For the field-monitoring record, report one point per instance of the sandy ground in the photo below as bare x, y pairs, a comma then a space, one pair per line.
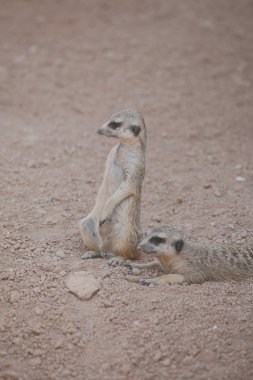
65, 66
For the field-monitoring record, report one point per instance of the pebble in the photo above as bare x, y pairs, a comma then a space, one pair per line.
38, 311
5, 276
187, 360
246, 317
14, 296
239, 179
11, 375
60, 254
158, 356
83, 285
166, 362
124, 270
217, 193
59, 342
136, 271
35, 361
35, 326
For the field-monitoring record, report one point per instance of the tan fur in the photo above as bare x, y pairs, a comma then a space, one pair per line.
113, 226
194, 263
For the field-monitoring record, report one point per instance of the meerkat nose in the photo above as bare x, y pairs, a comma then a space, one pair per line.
99, 131
139, 247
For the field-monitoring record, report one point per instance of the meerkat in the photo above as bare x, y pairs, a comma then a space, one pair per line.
186, 262
112, 229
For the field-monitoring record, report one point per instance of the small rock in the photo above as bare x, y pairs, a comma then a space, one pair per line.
10, 375
231, 226
158, 356
62, 273
35, 326
187, 360
246, 317
5, 276
124, 270
59, 342
136, 271
244, 234
107, 274
14, 296
38, 310
108, 304
207, 186
51, 221
33, 49
132, 278
217, 193
239, 178
60, 254
166, 362
35, 361
83, 285
70, 149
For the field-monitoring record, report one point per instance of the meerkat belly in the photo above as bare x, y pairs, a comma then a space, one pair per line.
112, 180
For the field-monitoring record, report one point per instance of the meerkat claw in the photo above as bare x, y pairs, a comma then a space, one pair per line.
90, 255
127, 265
107, 255
148, 282
115, 261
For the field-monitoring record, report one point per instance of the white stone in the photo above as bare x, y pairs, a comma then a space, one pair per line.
83, 285
240, 179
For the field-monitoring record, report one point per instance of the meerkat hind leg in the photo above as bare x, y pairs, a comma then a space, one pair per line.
171, 278
91, 255
89, 233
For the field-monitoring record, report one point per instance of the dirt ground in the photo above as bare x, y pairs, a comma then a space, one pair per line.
65, 66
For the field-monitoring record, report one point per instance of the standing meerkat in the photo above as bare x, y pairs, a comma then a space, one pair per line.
112, 228
192, 263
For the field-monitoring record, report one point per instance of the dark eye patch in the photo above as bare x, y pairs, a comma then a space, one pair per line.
136, 129
178, 244
114, 124
156, 240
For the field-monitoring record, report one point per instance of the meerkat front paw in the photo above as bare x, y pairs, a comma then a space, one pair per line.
116, 261
127, 265
90, 255
103, 221
107, 255
148, 282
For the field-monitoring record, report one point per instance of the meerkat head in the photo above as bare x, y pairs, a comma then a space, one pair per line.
162, 240
127, 125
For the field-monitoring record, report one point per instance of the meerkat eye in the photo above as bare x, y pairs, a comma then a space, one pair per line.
114, 124
135, 129
156, 240
178, 244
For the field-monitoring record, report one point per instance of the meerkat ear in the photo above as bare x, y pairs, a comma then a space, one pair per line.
135, 129
179, 245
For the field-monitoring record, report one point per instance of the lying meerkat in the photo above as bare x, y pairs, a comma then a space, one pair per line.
112, 228
192, 263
